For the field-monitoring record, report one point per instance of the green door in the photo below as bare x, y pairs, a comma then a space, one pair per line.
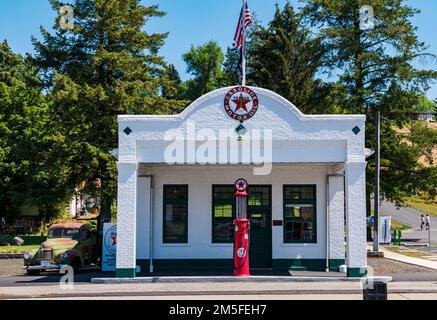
260, 218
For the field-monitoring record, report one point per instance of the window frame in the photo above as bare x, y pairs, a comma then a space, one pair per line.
313, 202
164, 221
213, 203
262, 206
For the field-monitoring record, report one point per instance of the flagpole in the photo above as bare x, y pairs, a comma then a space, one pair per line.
243, 48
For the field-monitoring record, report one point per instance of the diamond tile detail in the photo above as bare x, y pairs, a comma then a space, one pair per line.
127, 130
356, 130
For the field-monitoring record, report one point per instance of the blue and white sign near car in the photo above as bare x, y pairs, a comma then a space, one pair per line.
109, 246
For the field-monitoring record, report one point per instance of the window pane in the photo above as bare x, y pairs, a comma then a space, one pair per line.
299, 193
223, 211
175, 217
175, 214
259, 196
298, 223
223, 230
255, 199
177, 193
223, 204
224, 193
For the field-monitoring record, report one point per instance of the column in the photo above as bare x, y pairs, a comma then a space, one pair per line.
126, 219
336, 222
355, 180
143, 222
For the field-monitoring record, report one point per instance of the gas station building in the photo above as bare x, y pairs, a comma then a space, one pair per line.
306, 203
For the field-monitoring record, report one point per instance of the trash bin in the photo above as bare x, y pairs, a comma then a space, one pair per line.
385, 230
378, 292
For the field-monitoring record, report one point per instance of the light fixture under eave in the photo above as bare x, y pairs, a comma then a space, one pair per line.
241, 131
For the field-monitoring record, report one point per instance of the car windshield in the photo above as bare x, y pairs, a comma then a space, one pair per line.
64, 233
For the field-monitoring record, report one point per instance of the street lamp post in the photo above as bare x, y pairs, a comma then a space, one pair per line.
377, 175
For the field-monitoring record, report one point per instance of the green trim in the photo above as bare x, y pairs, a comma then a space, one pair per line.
144, 265
125, 273
196, 265
298, 268
300, 201
183, 202
356, 272
215, 202
334, 264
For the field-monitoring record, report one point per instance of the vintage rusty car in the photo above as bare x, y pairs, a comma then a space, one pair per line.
71, 244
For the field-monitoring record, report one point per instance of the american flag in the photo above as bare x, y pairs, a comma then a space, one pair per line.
244, 21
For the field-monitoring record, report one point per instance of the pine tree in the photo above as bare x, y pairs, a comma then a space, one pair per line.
371, 60
106, 65
375, 67
284, 57
230, 67
171, 82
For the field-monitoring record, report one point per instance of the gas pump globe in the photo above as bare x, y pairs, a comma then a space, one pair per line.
241, 224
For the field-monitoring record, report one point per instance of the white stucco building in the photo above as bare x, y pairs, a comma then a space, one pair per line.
175, 203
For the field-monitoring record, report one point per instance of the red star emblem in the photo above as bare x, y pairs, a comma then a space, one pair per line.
241, 102
241, 185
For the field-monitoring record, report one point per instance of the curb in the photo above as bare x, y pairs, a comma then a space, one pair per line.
229, 279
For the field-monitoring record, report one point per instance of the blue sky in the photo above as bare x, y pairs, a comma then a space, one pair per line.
188, 22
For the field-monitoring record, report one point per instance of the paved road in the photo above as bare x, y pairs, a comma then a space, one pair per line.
406, 215
411, 217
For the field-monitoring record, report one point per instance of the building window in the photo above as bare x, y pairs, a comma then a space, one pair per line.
259, 196
223, 209
175, 226
300, 214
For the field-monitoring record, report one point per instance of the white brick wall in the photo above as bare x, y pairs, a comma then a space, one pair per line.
126, 215
336, 215
311, 145
296, 137
356, 214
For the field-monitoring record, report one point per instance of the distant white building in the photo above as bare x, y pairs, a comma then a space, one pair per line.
306, 177
423, 116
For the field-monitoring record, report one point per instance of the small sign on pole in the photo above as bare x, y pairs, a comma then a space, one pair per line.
109, 249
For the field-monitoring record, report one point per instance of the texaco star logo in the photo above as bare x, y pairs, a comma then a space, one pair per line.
241, 103
241, 185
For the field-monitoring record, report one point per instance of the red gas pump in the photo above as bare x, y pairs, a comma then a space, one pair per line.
241, 224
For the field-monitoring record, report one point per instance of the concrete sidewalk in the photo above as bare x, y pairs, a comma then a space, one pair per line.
305, 276
208, 290
410, 260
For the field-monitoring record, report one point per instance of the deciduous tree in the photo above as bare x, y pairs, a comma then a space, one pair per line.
31, 174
